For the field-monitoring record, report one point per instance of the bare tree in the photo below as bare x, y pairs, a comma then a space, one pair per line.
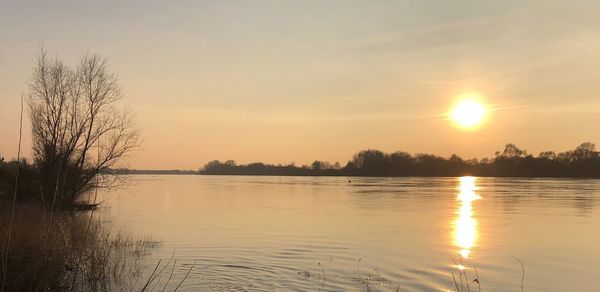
79, 133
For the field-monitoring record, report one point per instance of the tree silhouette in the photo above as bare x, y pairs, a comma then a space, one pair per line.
583, 161
78, 131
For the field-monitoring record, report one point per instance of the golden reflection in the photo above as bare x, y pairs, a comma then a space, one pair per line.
465, 226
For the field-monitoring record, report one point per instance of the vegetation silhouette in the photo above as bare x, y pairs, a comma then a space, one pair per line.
582, 162
78, 134
78, 130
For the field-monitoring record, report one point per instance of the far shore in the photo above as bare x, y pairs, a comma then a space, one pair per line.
191, 172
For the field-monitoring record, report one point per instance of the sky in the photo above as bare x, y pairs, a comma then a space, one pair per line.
296, 81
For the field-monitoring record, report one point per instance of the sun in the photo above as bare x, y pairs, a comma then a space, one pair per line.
468, 113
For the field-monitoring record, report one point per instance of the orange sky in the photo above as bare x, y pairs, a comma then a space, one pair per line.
283, 81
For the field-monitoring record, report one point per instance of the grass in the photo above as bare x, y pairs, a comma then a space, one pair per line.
74, 252
461, 280
464, 283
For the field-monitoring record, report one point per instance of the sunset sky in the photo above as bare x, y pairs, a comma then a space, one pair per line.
294, 81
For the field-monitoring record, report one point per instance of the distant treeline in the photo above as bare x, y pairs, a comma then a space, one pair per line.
583, 161
152, 171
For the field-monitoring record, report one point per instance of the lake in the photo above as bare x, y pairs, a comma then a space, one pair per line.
252, 233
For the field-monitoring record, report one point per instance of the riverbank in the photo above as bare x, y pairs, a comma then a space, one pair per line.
66, 251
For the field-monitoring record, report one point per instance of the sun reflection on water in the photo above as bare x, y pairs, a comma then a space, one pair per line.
465, 226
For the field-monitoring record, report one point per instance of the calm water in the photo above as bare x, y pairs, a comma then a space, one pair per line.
305, 233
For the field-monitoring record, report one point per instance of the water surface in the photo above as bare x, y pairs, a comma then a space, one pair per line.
333, 233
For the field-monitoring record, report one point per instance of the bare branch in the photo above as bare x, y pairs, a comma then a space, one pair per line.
74, 115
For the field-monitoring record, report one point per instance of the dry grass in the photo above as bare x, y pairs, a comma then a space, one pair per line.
72, 252
464, 282
473, 283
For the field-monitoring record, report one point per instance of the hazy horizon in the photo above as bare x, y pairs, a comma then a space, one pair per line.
283, 81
